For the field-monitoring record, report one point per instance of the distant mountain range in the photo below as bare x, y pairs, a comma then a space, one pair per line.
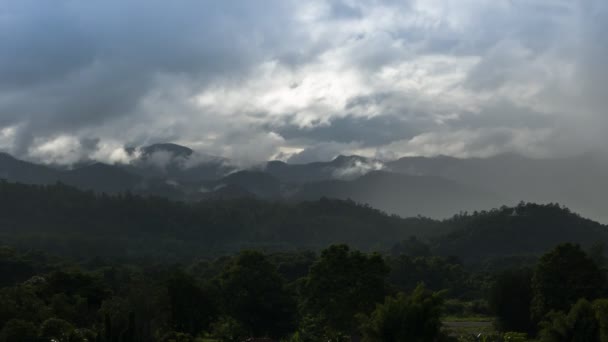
64, 220
436, 187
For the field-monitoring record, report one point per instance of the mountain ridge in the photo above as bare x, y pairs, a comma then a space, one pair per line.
446, 184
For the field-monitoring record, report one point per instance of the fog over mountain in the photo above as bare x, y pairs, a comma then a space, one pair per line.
436, 187
485, 102
318, 170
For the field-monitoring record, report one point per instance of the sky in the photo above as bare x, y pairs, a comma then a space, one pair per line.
302, 80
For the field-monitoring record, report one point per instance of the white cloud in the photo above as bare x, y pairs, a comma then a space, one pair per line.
226, 78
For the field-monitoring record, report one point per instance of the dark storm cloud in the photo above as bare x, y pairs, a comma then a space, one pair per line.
374, 131
321, 77
66, 64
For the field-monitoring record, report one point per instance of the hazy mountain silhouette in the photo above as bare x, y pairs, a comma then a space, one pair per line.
177, 163
405, 195
135, 225
174, 149
578, 182
342, 167
248, 183
16, 170
101, 178
436, 186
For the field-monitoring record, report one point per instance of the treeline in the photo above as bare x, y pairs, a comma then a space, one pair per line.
62, 219
70, 222
333, 296
298, 296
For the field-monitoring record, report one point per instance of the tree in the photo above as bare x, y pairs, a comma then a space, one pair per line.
21, 302
192, 307
176, 337
601, 313
411, 247
510, 298
55, 329
256, 296
415, 318
597, 253
342, 284
436, 273
227, 329
580, 325
562, 276
17, 330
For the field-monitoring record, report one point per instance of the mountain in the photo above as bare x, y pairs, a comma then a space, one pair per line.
405, 195
258, 183
131, 225
173, 149
526, 229
435, 186
15, 170
342, 167
121, 225
577, 182
101, 177
176, 163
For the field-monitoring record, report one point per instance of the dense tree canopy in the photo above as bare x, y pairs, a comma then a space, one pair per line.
562, 276
147, 269
415, 318
342, 284
256, 296
510, 298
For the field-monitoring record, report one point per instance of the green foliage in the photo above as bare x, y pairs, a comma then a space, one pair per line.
601, 314
79, 224
257, 297
192, 307
436, 273
176, 337
228, 329
562, 276
57, 329
22, 302
411, 247
580, 325
413, 318
510, 298
254, 294
515, 337
342, 284
311, 329
17, 330
120, 323
526, 229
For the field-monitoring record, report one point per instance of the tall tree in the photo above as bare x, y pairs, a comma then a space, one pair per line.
415, 318
580, 325
192, 307
563, 276
342, 284
257, 297
510, 298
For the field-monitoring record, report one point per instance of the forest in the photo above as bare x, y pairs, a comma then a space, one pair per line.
80, 266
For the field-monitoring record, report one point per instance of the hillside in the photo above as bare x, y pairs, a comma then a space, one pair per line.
404, 195
62, 219
577, 182
436, 187
66, 220
527, 229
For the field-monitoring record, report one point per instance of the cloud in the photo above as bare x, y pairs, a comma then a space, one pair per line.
81, 80
324, 151
357, 168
